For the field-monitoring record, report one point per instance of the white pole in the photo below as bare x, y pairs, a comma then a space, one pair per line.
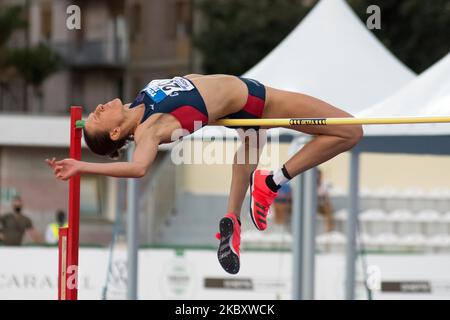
132, 233
309, 233
352, 221
297, 243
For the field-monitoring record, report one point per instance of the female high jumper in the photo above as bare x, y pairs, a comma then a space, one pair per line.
167, 105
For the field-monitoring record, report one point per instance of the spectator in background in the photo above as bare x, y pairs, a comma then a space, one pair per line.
324, 206
52, 232
16, 224
283, 205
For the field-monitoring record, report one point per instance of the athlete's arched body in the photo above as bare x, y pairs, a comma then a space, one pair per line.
164, 106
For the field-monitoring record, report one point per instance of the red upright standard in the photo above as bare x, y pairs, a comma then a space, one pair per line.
68, 251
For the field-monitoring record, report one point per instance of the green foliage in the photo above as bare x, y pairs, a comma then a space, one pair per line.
238, 33
416, 31
35, 64
10, 20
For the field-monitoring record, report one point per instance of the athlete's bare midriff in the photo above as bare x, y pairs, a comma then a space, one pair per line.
222, 94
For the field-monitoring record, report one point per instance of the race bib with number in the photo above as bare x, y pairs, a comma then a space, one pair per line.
160, 89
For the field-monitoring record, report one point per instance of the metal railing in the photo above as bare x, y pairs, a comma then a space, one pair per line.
158, 200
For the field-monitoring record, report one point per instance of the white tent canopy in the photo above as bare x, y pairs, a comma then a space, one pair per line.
332, 55
427, 95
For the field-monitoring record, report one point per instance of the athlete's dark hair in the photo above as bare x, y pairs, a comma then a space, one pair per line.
102, 144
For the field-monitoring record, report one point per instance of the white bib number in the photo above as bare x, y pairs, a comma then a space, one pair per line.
160, 89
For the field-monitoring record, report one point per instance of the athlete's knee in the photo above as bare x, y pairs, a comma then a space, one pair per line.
358, 133
354, 134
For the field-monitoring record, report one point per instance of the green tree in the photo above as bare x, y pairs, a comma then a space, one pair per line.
10, 20
236, 34
416, 31
35, 64
239, 33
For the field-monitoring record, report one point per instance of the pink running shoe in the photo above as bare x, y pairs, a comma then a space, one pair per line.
261, 198
230, 241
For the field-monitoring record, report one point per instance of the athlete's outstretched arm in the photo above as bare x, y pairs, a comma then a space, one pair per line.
143, 157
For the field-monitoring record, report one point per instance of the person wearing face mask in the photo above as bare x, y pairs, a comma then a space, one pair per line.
16, 224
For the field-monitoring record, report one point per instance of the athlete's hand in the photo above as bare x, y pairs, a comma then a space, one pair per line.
64, 169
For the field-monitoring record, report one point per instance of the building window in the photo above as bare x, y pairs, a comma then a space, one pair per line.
179, 22
91, 197
183, 17
135, 22
77, 89
46, 20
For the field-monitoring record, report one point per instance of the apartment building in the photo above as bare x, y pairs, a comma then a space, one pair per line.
121, 46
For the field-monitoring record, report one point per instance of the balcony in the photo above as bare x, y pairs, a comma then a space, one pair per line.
93, 53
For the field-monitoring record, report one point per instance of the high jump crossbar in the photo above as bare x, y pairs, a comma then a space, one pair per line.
320, 121
68, 245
